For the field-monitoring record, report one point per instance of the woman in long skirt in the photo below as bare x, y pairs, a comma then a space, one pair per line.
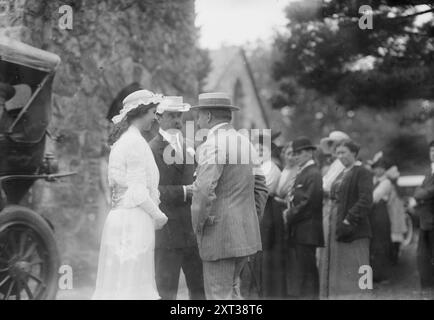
126, 260
347, 250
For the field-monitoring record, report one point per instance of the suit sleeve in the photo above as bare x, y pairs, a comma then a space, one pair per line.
208, 174
299, 212
425, 192
363, 205
171, 194
260, 189
261, 194
138, 193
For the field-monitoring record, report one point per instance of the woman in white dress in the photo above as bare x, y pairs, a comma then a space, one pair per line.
126, 260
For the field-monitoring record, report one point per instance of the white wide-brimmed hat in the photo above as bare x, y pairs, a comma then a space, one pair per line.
334, 136
136, 99
337, 136
173, 104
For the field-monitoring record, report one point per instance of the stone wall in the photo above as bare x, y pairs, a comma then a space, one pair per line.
112, 44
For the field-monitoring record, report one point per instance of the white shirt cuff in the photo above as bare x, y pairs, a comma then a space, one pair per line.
185, 193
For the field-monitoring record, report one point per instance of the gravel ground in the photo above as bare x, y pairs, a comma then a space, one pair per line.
404, 283
85, 293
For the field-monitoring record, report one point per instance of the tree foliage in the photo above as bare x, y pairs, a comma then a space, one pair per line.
326, 50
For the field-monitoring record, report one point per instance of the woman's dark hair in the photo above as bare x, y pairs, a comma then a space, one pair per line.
351, 145
381, 163
119, 128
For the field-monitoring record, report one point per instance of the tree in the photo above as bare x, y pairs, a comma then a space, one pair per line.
326, 50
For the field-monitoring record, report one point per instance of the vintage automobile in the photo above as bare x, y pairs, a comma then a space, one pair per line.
29, 258
407, 185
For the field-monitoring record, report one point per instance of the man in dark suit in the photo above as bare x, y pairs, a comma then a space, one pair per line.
425, 210
304, 220
176, 245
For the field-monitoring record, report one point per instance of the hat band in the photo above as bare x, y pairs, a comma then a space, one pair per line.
305, 147
215, 102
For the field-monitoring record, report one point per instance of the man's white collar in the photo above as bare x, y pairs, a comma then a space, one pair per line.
168, 135
216, 127
307, 164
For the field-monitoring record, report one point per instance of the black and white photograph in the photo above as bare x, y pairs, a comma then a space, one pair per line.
238, 151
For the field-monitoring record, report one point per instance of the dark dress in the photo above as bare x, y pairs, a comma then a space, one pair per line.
342, 260
273, 251
381, 240
264, 275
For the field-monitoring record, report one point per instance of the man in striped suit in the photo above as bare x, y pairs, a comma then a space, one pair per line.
226, 198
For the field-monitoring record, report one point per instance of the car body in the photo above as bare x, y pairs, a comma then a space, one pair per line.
29, 259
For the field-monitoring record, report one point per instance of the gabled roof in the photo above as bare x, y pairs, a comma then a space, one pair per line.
221, 61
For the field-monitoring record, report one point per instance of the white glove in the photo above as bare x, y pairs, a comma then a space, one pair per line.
160, 220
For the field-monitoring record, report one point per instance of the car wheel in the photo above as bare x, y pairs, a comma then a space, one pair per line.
408, 236
29, 259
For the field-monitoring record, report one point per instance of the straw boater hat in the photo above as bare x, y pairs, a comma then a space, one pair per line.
136, 99
215, 100
172, 104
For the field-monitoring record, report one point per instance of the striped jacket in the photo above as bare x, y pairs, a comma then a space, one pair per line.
226, 195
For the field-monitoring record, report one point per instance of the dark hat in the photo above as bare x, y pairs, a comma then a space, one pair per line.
302, 143
260, 135
380, 163
274, 134
215, 100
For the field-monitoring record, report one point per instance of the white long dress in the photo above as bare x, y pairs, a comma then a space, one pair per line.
126, 260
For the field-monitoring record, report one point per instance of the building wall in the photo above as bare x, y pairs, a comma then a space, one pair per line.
112, 44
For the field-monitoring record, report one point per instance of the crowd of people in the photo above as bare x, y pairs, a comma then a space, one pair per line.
363, 222
305, 222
